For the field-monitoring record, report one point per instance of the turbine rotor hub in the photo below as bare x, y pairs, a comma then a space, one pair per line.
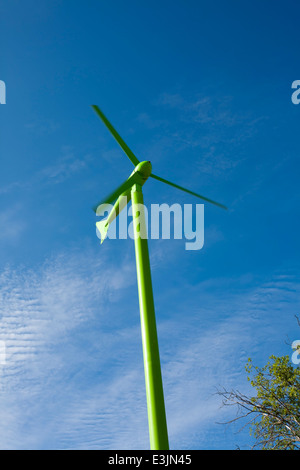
144, 168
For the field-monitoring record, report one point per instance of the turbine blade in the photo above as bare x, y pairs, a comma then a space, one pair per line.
134, 179
187, 191
102, 228
118, 138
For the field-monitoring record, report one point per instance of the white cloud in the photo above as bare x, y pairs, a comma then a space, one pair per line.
73, 376
12, 224
63, 168
45, 321
210, 131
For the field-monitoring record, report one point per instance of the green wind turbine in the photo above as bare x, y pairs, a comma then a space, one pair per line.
132, 189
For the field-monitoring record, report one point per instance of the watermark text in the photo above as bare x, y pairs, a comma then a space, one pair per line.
296, 94
296, 353
162, 221
2, 92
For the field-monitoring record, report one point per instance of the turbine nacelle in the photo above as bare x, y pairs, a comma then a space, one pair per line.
144, 169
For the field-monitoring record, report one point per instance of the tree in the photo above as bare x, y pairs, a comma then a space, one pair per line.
273, 415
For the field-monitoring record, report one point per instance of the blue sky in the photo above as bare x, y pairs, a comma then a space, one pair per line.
203, 90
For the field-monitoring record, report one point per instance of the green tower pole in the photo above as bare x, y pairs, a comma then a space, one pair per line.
153, 379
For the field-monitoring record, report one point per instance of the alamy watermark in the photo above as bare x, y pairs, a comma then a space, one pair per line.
296, 94
296, 354
2, 92
163, 221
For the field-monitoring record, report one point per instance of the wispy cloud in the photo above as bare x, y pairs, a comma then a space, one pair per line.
57, 172
46, 317
12, 224
148, 121
213, 127
61, 170
73, 376
42, 126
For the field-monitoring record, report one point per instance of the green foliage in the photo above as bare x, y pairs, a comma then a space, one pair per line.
276, 406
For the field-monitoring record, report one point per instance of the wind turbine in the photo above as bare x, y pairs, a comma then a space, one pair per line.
132, 189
